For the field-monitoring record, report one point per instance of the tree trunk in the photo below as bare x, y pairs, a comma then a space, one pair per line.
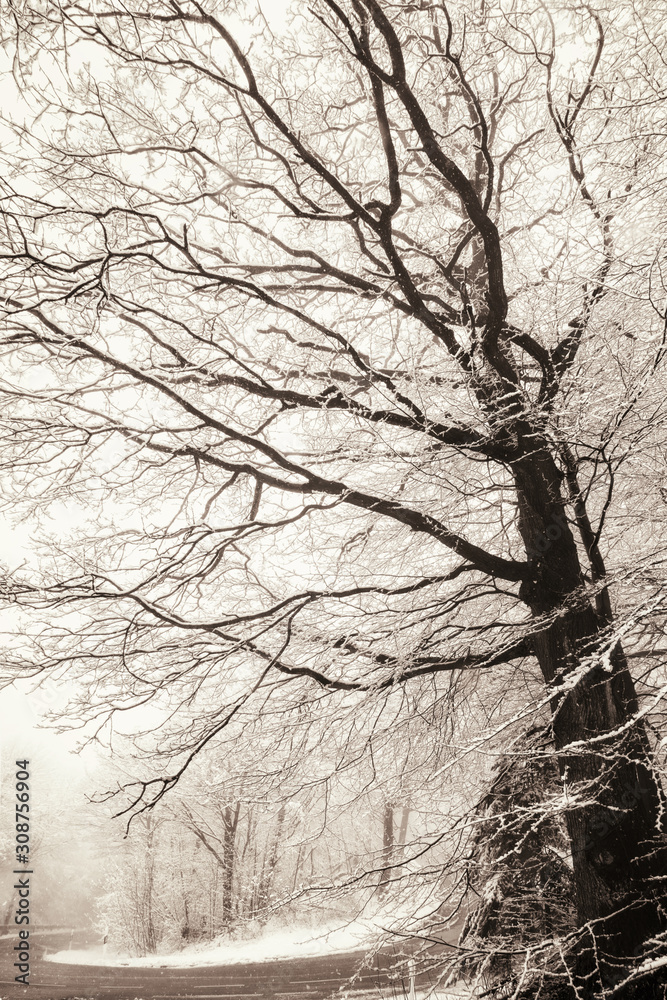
618, 854
230, 820
148, 930
403, 829
387, 845
271, 861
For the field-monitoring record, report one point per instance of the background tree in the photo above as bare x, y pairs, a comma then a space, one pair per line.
303, 859
220, 842
348, 339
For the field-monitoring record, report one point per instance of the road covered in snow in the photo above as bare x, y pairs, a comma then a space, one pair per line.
287, 965
296, 943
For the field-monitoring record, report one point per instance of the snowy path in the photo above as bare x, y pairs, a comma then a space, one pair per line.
312, 978
295, 943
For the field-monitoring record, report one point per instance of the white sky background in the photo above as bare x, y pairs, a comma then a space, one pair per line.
24, 728
21, 709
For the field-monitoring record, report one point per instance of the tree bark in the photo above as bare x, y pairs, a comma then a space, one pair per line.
270, 863
230, 820
618, 851
387, 845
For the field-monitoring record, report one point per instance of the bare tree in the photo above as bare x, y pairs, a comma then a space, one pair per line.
220, 842
348, 336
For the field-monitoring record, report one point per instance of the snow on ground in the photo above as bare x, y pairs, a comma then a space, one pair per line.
297, 942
